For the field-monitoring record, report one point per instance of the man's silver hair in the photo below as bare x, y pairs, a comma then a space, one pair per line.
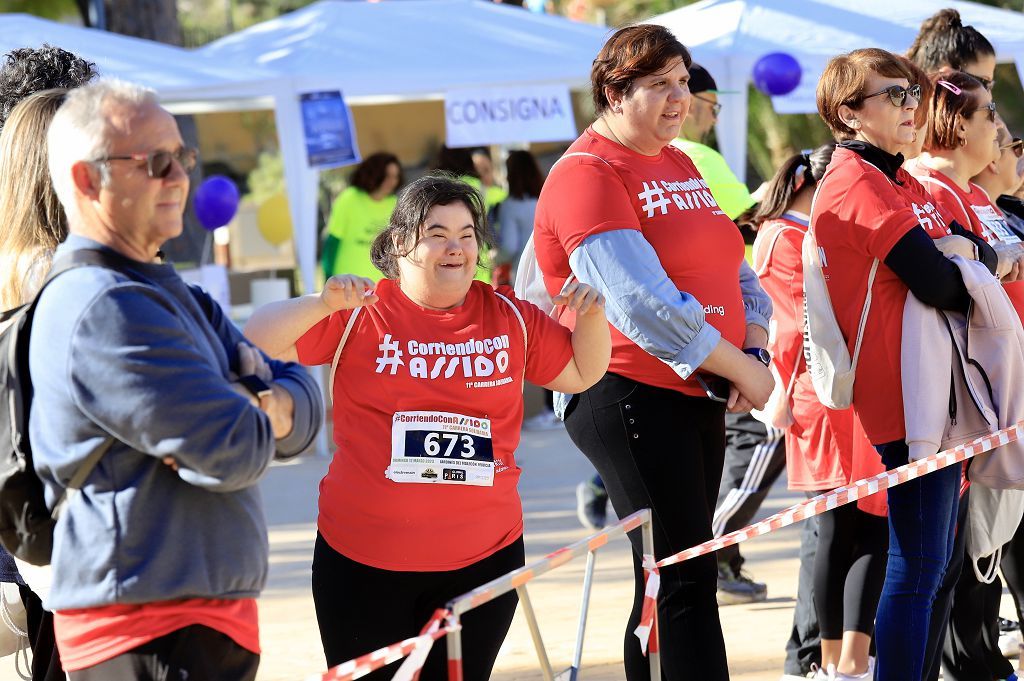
81, 131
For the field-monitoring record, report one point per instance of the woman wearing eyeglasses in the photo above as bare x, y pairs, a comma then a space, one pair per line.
944, 43
869, 208
961, 140
971, 649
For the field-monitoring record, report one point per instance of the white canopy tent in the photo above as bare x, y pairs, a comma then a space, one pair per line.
186, 82
403, 50
729, 36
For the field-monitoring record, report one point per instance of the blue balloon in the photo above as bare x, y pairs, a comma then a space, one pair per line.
215, 201
777, 73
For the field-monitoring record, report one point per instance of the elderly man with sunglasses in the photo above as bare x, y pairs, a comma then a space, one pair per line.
159, 557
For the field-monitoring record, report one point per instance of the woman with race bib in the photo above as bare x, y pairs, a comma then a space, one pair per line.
420, 503
629, 214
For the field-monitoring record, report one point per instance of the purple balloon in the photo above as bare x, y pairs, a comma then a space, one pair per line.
215, 202
777, 73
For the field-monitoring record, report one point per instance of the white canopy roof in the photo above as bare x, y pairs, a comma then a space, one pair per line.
729, 36
414, 49
178, 75
396, 51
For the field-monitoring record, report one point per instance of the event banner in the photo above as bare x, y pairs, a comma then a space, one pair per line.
528, 113
327, 125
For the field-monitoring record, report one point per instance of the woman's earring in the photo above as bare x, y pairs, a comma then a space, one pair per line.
854, 124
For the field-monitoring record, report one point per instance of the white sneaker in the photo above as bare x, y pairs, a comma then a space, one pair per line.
545, 420
1009, 637
869, 674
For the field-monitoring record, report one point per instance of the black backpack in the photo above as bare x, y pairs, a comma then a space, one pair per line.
26, 523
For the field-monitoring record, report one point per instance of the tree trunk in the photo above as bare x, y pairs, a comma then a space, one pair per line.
158, 20
152, 19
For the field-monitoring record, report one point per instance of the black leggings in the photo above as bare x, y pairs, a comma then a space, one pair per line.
662, 450
849, 570
361, 608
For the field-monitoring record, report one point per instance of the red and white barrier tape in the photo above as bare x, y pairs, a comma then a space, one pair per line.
653, 581
834, 499
417, 648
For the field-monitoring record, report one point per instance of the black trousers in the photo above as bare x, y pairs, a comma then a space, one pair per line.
193, 653
360, 609
662, 450
971, 649
45, 657
849, 570
803, 648
755, 456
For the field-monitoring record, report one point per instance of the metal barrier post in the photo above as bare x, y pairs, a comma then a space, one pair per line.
538, 643
588, 579
517, 580
454, 642
653, 647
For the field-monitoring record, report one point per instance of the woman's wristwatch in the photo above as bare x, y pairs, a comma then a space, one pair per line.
760, 354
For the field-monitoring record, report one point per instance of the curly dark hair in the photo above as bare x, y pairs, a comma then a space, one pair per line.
414, 202
28, 70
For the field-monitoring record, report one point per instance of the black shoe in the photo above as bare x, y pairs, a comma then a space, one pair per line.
737, 587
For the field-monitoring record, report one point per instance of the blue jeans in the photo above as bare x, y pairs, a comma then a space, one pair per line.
922, 524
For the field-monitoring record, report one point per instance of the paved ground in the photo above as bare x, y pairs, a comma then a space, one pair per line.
755, 634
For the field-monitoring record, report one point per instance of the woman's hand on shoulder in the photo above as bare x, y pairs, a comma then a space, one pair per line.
347, 292
581, 298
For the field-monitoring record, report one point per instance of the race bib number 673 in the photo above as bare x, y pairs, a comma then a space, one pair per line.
442, 448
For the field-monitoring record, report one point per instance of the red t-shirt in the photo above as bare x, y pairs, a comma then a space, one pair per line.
818, 441
975, 212
859, 214
89, 636
663, 197
399, 358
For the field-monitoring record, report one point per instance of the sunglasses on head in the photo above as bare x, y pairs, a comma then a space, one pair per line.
159, 163
716, 108
1017, 145
897, 94
990, 107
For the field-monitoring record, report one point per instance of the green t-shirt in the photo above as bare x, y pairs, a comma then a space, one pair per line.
356, 219
731, 194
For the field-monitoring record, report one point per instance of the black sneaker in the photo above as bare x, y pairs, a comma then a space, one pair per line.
591, 505
737, 587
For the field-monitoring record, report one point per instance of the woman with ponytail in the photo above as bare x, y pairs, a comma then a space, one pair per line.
945, 43
849, 567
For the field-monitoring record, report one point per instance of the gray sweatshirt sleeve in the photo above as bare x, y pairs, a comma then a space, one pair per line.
137, 373
756, 302
641, 301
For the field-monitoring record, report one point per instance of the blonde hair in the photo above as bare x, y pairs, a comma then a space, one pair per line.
32, 222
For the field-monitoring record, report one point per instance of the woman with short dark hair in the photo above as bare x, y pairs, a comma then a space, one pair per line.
870, 213
420, 503
628, 213
359, 213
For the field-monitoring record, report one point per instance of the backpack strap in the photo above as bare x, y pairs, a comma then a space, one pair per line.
522, 325
78, 479
871, 273
84, 257
341, 346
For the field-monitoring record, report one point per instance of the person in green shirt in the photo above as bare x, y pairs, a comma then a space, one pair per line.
731, 194
493, 192
359, 213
